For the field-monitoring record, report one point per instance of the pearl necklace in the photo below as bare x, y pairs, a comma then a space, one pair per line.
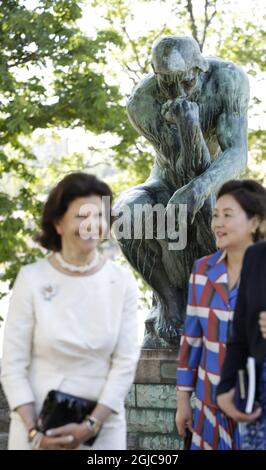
74, 267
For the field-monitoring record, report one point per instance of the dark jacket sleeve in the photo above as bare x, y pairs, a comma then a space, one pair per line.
237, 346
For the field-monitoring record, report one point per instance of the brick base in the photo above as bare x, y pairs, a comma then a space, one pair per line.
151, 403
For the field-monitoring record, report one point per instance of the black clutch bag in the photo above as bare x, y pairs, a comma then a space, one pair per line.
61, 408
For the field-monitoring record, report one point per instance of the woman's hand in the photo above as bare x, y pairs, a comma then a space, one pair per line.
226, 403
56, 443
262, 323
184, 414
66, 437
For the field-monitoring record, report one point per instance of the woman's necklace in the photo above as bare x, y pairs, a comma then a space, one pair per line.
74, 267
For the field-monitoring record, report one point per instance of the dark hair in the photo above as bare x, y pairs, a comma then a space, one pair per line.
251, 196
71, 187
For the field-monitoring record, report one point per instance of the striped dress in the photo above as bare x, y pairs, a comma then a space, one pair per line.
209, 316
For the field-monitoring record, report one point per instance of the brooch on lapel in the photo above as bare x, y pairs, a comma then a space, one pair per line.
49, 291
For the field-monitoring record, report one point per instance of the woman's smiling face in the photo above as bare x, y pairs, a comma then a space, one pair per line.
84, 223
230, 224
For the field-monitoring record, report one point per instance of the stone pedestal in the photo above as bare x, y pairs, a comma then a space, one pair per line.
151, 403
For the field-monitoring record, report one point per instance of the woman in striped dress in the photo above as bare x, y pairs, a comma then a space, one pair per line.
211, 301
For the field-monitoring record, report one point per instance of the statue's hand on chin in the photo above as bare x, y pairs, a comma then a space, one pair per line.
187, 113
167, 112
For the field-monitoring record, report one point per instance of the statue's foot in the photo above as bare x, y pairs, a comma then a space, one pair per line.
169, 331
162, 330
154, 342
151, 338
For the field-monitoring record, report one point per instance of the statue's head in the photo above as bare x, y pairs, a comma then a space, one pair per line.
177, 62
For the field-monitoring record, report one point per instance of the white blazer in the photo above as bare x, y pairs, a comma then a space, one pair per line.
75, 334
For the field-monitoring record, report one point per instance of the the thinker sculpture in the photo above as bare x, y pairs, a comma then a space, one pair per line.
193, 110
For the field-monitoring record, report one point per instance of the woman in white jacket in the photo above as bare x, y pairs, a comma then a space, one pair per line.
71, 325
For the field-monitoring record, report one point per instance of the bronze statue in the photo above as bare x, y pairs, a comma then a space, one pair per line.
193, 110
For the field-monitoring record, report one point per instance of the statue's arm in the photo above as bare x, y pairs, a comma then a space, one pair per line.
231, 132
194, 156
145, 115
232, 137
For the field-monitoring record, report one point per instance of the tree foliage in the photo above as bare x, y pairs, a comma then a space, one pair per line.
39, 47
219, 30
